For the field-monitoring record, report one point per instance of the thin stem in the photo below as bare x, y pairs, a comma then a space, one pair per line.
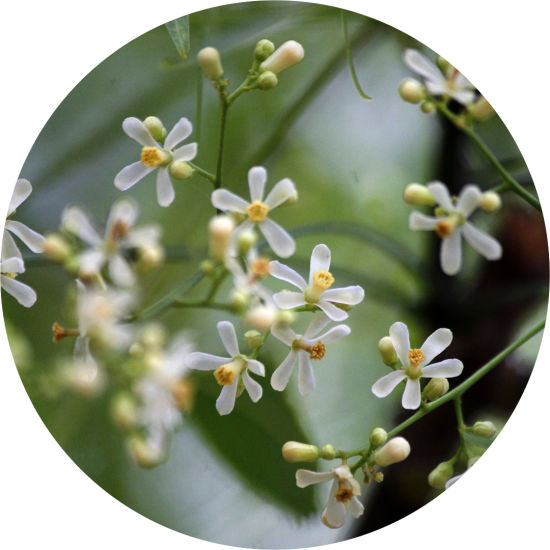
198, 105
349, 57
223, 119
204, 305
459, 414
202, 172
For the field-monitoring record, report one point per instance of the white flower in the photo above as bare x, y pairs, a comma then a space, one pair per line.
302, 349
229, 370
416, 364
247, 281
156, 155
23, 293
258, 209
120, 237
317, 292
31, 238
343, 493
454, 224
453, 84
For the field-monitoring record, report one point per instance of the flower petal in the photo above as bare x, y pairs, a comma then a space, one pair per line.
222, 199
23, 293
9, 247
31, 238
284, 333
23, 189
252, 387
435, 343
256, 367
331, 311
288, 300
285, 273
356, 507
444, 369
318, 323
421, 65
350, 295
228, 336
282, 374
418, 221
134, 128
333, 335
278, 239
185, 153
320, 260
75, 220
281, 192
165, 189
451, 253
482, 243
257, 176
226, 401
204, 361
305, 478
468, 200
441, 194
120, 271
335, 512
462, 96
306, 378
399, 334
125, 211
181, 130
131, 174
411, 395
385, 385
90, 262
12, 265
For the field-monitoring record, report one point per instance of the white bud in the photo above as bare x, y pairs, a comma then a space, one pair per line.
261, 317
418, 194
387, 351
210, 62
124, 411
220, 229
239, 300
144, 454
293, 451
412, 91
440, 475
395, 450
285, 56
150, 258
490, 201
181, 170
245, 241
435, 388
155, 127
153, 335
485, 429
56, 247
481, 109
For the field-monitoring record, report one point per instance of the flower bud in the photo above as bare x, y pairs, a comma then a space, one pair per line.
210, 62
378, 437
485, 429
387, 351
490, 201
286, 317
56, 247
435, 388
267, 80
300, 452
412, 91
183, 392
328, 452
153, 335
124, 410
285, 56
264, 48
261, 317
378, 477
207, 267
144, 454
395, 450
440, 475
150, 257
239, 300
427, 107
418, 194
85, 379
220, 229
443, 64
253, 338
155, 127
481, 109
245, 241
181, 170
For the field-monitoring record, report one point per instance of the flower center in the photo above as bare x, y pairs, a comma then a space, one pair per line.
344, 493
260, 268
446, 226
60, 332
257, 211
413, 370
153, 156
226, 374
119, 230
316, 351
321, 281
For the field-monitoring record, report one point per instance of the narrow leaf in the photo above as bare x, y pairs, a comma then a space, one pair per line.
178, 29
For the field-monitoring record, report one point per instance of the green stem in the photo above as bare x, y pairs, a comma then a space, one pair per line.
349, 57
202, 172
223, 119
204, 305
198, 105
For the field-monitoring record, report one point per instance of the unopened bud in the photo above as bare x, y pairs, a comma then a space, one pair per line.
153, 335
264, 48
286, 317
412, 91
485, 429
300, 452
56, 247
418, 194
267, 80
245, 241
395, 450
285, 56
150, 257
378, 477
328, 452
440, 475
481, 109
220, 229
253, 338
387, 351
490, 201
427, 107
124, 411
435, 388
261, 317
207, 267
378, 437
210, 62
181, 170
239, 300
443, 65
85, 379
155, 127
144, 454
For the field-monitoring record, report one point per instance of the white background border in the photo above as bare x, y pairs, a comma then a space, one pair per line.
45, 499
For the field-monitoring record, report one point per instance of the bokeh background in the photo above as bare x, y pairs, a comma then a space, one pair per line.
350, 159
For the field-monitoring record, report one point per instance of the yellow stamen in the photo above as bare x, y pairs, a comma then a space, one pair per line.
183, 392
322, 280
416, 356
120, 229
153, 156
260, 268
60, 332
257, 211
446, 226
317, 351
226, 374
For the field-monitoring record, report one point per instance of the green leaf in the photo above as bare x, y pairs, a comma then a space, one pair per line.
178, 29
250, 440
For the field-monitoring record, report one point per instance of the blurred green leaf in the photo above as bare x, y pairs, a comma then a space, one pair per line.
178, 29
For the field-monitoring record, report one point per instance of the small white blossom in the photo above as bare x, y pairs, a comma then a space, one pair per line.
155, 155
247, 280
343, 493
452, 84
453, 225
258, 209
416, 364
317, 291
302, 349
228, 371
9, 269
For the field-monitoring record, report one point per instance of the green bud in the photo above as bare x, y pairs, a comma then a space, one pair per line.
481, 109
253, 338
412, 91
56, 247
378, 477
239, 300
286, 317
427, 107
264, 48
267, 81
144, 455
490, 202
245, 241
395, 450
181, 170
328, 452
485, 429
440, 475
435, 388
155, 127
210, 62
300, 452
387, 351
418, 194
293, 199
439, 211
207, 267
153, 335
443, 64
124, 410
378, 437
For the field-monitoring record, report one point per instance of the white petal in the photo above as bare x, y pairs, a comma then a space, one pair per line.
411, 395
335, 512
31, 238
306, 378
284, 333
9, 247
444, 369
131, 174
91, 261
134, 128
204, 361
252, 387
222, 199
228, 336
356, 507
418, 221
185, 153
437, 88
144, 236
285, 273
435, 343
422, 66
23, 293
333, 335
125, 211
75, 220
281, 375
23, 189
385, 385
257, 176
283, 190
305, 478
12, 265
226, 401
452, 481
120, 272
318, 323
468, 200
181, 130
165, 189
399, 334
256, 367
451, 253
350, 295
278, 239
462, 96
320, 260
441, 194
288, 300
331, 311
482, 243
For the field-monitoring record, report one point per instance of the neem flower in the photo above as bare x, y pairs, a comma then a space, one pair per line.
9, 269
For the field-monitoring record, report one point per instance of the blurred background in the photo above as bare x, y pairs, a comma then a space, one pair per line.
350, 159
